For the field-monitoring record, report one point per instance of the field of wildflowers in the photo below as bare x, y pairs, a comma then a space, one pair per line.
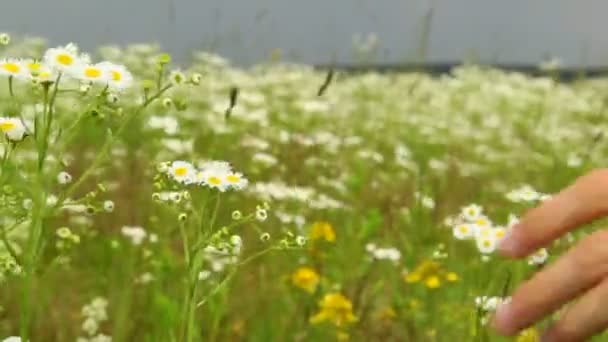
145, 201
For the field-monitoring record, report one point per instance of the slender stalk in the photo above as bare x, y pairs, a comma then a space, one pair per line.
105, 149
10, 86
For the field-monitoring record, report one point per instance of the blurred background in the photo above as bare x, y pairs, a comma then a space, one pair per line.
327, 32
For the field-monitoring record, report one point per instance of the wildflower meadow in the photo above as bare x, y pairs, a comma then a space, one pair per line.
147, 200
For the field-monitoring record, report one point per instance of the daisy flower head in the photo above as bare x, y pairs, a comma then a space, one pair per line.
63, 58
539, 257
486, 244
13, 129
92, 73
236, 180
499, 233
483, 222
472, 212
40, 72
118, 76
13, 67
214, 179
182, 172
464, 231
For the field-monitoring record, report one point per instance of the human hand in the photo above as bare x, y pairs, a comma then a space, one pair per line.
582, 273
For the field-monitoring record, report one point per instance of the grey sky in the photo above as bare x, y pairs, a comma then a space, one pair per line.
320, 31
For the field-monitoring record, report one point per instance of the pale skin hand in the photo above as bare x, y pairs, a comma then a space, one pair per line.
581, 274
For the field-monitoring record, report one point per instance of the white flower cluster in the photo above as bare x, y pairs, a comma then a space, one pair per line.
222, 255
490, 304
137, 235
472, 224
95, 313
526, 194
213, 174
389, 253
67, 61
282, 192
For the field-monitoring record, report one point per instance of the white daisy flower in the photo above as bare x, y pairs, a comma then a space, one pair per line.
213, 179
483, 222
13, 129
63, 58
464, 231
118, 76
13, 67
93, 73
539, 257
486, 245
472, 212
41, 72
236, 180
499, 233
182, 172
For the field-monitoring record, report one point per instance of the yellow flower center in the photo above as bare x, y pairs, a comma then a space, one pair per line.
7, 125
214, 180
34, 66
452, 277
500, 233
233, 178
487, 243
65, 59
433, 282
116, 76
44, 74
11, 67
464, 229
92, 72
181, 171
482, 222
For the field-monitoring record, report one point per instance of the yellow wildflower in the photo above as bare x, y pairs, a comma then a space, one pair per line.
323, 231
430, 273
452, 277
306, 278
432, 282
336, 309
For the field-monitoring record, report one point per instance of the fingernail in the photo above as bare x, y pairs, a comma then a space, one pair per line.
509, 244
502, 318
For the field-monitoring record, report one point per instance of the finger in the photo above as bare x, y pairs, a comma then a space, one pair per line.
584, 201
583, 319
578, 270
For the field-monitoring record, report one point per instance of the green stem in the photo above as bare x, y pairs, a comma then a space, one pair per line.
105, 149
9, 247
10, 86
